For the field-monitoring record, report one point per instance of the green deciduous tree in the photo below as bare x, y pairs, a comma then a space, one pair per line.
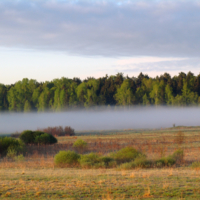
3, 97
124, 95
155, 93
168, 95
188, 97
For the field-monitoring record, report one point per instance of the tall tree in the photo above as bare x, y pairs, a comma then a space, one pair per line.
124, 95
81, 92
155, 94
91, 97
3, 97
168, 95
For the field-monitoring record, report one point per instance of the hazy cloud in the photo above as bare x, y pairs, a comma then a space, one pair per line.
105, 28
186, 64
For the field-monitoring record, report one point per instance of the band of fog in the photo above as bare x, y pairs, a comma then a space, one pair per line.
103, 119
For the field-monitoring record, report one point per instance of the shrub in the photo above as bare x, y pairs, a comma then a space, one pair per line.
165, 161
80, 145
37, 137
178, 156
59, 131
195, 165
27, 137
126, 154
66, 158
11, 145
19, 158
127, 165
42, 139
139, 162
92, 160
11, 152
108, 161
45, 139
142, 162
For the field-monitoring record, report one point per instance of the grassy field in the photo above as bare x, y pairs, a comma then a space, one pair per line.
38, 178
29, 183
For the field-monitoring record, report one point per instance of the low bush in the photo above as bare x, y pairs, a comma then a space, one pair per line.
66, 158
37, 137
10, 146
178, 156
80, 146
59, 131
139, 162
127, 158
108, 161
92, 160
195, 165
127, 165
165, 162
11, 153
27, 137
19, 158
45, 139
142, 162
126, 154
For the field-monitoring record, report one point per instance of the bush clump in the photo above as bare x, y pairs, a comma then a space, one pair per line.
126, 158
94, 160
19, 158
37, 137
10, 146
178, 156
139, 162
195, 165
80, 145
91, 160
165, 162
66, 158
142, 162
59, 131
108, 161
126, 154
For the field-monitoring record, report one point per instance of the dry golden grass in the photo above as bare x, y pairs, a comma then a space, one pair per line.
93, 184
154, 143
38, 177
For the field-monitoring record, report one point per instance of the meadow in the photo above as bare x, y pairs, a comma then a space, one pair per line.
37, 176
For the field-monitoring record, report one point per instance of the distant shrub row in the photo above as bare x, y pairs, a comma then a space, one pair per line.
37, 137
126, 158
59, 131
11, 146
55, 131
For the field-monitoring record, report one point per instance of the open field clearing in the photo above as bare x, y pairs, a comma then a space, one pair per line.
37, 176
154, 143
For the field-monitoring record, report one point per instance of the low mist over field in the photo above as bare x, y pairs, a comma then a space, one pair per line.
102, 119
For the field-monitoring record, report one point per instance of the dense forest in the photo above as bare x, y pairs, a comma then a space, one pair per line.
62, 94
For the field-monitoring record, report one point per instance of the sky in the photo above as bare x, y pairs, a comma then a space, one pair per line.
48, 39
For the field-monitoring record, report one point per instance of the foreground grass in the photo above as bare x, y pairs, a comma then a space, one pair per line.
60, 183
38, 178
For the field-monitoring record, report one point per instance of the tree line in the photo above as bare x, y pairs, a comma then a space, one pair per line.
64, 93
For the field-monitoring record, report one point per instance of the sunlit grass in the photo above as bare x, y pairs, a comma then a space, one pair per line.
100, 184
37, 177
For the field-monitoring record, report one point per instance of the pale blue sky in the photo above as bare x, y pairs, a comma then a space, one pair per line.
47, 39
